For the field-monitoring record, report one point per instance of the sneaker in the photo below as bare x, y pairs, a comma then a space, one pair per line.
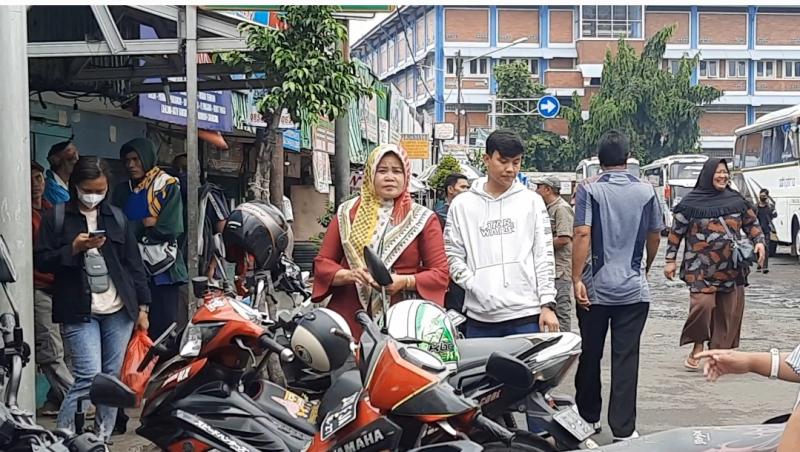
632, 436
765, 271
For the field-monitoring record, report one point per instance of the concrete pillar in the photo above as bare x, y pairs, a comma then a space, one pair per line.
15, 181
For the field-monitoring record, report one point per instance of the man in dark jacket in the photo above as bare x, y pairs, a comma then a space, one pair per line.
766, 212
151, 200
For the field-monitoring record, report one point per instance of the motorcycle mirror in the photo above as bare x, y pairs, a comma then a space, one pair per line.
108, 390
376, 268
8, 274
510, 371
199, 286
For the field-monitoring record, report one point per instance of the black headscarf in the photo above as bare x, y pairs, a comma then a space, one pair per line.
705, 201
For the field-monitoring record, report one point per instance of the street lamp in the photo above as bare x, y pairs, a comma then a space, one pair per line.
460, 74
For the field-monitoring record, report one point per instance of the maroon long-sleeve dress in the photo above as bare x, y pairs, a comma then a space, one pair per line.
423, 257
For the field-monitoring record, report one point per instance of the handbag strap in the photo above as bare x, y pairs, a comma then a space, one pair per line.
727, 229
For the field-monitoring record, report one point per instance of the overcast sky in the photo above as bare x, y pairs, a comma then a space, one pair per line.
359, 28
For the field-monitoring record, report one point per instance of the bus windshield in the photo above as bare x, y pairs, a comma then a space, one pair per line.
592, 170
685, 170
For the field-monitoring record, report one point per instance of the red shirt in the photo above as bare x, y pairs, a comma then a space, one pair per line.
40, 280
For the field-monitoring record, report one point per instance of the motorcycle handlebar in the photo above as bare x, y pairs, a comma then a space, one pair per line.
272, 345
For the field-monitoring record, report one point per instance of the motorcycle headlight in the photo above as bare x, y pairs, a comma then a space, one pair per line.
191, 342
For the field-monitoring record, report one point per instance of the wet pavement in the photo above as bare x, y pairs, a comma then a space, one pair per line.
670, 396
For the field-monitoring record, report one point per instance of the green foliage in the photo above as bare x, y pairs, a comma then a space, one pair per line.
541, 147
447, 166
475, 159
658, 110
305, 62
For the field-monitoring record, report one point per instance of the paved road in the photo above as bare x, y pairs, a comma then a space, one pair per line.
671, 397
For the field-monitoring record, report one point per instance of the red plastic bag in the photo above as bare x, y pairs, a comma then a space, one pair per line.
137, 348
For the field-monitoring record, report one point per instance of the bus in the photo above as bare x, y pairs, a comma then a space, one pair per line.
673, 178
766, 156
591, 167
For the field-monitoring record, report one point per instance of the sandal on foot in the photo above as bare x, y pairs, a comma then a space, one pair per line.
693, 367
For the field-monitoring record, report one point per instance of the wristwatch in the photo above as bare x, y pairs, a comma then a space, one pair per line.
776, 363
550, 305
144, 308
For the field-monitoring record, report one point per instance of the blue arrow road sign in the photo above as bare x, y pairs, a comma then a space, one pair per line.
548, 106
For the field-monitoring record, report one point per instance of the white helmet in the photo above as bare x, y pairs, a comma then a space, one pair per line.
426, 322
314, 343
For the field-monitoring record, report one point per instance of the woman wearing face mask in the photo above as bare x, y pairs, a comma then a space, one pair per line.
716, 287
100, 289
406, 235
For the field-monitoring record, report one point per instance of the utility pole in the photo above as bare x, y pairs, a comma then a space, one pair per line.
15, 183
341, 167
459, 75
192, 159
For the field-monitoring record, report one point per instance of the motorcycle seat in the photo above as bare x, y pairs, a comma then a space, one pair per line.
479, 349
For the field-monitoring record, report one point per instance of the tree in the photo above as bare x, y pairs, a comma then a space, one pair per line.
447, 166
303, 61
309, 77
658, 110
541, 147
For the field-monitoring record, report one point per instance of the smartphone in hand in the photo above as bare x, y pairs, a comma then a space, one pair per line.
97, 233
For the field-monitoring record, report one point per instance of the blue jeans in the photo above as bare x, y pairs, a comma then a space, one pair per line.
98, 346
503, 329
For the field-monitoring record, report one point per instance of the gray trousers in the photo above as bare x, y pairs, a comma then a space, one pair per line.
49, 348
564, 303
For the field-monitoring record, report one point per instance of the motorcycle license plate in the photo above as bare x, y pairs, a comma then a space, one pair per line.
574, 423
344, 414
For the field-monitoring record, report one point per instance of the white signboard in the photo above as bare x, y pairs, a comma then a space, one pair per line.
444, 131
322, 171
383, 131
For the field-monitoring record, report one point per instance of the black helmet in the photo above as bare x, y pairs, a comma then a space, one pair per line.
259, 229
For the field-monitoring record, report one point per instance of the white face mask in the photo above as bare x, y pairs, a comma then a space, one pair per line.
91, 200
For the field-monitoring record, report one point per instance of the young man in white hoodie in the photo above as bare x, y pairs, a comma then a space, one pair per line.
500, 248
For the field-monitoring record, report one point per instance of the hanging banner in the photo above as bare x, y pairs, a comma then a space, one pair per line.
395, 115
322, 171
369, 118
324, 138
383, 130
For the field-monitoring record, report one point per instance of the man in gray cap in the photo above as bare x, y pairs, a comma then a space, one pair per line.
561, 222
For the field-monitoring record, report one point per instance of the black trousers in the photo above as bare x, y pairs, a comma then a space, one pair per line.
627, 323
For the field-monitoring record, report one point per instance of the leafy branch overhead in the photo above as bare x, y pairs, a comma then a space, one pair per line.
305, 60
657, 109
514, 81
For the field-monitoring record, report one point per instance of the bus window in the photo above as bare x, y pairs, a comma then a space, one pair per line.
738, 153
752, 150
680, 170
655, 176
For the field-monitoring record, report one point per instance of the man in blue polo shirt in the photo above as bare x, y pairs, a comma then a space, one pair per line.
617, 217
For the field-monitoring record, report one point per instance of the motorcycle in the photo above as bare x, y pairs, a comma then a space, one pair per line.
18, 430
542, 361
